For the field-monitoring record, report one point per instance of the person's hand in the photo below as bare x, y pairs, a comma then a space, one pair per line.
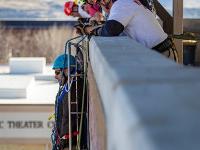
97, 17
79, 29
88, 29
84, 29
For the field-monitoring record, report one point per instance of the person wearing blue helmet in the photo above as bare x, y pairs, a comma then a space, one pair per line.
60, 130
61, 65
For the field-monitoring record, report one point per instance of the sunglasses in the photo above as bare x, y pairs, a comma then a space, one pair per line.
57, 72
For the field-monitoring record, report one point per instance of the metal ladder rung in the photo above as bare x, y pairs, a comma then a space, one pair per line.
77, 75
75, 113
73, 102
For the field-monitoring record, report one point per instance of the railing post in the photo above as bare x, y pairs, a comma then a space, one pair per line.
178, 26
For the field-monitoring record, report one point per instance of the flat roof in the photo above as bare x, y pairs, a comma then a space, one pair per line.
43, 91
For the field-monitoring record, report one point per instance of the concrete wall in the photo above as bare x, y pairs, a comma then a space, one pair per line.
149, 102
96, 116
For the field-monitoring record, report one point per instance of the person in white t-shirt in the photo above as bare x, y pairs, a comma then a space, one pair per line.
135, 20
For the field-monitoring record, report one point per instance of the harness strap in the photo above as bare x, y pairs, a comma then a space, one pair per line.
163, 46
66, 137
167, 45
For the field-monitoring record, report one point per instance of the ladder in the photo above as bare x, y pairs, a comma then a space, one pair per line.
80, 72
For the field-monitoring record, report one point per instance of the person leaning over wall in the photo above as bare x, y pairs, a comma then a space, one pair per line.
136, 21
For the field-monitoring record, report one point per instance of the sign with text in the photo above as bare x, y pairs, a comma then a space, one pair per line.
25, 125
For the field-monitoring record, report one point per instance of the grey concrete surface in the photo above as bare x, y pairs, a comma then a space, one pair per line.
150, 102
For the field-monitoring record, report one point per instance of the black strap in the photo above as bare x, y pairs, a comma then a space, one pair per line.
164, 46
167, 45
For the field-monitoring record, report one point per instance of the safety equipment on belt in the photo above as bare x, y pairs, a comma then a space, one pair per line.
61, 61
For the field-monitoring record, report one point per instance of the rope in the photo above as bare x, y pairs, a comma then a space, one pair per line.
186, 36
175, 52
83, 102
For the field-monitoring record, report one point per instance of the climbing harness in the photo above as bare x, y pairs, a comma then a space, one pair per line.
167, 46
56, 139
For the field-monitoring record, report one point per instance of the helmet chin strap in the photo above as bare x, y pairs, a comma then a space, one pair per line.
63, 78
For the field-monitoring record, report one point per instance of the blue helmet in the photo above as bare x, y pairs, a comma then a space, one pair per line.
59, 61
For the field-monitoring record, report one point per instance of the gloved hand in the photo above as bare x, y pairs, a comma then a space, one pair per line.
80, 29
83, 20
96, 23
88, 27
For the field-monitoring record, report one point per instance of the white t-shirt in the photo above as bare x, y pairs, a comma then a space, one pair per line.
139, 23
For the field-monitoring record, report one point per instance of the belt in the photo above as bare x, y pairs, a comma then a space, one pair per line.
164, 46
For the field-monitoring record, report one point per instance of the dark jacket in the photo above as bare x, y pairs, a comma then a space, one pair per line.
62, 122
65, 116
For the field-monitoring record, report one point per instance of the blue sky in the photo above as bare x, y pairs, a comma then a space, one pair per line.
187, 3
166, 3
191, 7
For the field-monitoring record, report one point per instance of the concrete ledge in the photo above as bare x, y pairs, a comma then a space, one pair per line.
150, 102
25, 65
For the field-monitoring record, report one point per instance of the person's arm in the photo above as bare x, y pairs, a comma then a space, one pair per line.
119, 17
110, 28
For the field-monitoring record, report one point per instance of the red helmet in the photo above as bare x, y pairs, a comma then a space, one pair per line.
68, 9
